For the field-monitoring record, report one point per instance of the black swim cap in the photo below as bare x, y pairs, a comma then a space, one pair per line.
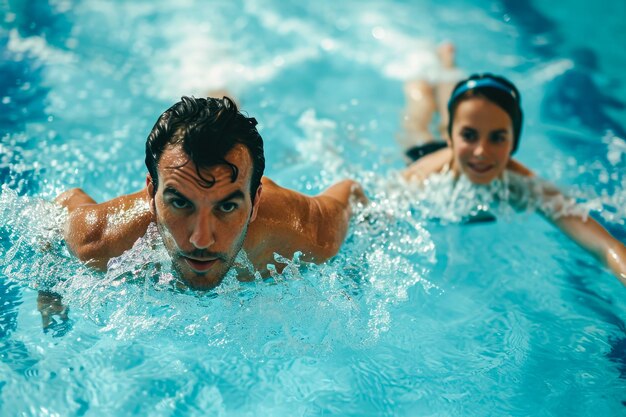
494, 88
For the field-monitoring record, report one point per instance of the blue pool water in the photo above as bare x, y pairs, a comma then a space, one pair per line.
415, 316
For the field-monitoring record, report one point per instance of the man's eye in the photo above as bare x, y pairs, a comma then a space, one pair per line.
228, 207
179, 203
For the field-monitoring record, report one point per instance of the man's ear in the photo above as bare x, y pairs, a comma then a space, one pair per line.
256, 202
150, 193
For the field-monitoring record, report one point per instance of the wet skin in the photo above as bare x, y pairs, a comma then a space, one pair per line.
203, 228
482, 140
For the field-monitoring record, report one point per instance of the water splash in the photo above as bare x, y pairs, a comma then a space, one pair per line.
140, 296
32, 237
458, 200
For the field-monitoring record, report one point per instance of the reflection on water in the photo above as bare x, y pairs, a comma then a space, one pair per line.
420, 313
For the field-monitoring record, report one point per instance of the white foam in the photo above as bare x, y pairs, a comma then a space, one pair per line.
37, 47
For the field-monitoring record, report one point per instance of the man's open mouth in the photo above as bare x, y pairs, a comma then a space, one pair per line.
200, 265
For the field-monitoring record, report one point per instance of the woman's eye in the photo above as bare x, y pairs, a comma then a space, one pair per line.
179, 203
228, 207
498, 138
468, 135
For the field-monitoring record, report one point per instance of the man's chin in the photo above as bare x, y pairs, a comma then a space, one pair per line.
200, 281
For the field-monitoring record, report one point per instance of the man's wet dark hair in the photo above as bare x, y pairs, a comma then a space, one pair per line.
207, 129
497, 90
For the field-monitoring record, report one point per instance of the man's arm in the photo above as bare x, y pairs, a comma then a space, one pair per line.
95, 232
333, 211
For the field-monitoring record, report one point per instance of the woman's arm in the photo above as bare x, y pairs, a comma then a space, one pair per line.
583, 230
594, 238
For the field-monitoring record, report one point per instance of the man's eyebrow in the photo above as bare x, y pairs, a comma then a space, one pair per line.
234, 196
172, 190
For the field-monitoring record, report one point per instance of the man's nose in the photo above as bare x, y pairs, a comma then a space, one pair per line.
203, 233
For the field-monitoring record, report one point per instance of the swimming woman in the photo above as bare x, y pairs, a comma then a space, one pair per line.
483, 131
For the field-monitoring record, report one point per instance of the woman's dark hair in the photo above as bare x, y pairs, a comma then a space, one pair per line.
494, 88
207, 129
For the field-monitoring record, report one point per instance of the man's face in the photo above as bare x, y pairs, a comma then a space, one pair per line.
203, 228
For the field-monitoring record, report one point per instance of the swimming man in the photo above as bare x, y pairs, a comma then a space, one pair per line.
206, 193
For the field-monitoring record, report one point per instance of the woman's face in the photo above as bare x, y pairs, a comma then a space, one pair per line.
482, 140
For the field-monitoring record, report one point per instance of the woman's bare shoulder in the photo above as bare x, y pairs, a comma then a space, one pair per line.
428, 165
518, 168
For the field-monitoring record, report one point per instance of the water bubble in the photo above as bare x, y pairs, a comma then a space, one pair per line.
379, 32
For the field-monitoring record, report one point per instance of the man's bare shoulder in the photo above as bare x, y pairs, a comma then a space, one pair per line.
427, 165
280, 210
288, 221
98, 232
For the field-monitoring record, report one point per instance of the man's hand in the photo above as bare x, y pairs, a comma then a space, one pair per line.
53, 312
